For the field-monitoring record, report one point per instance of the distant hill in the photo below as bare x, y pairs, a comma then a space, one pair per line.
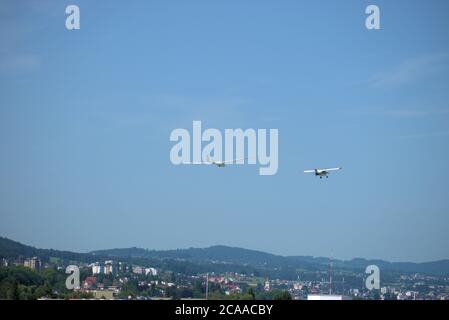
10, 248
440, 268
214, 254
219, 256
255, 258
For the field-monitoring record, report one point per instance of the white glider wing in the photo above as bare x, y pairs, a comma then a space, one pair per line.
196, 163
233, 160
331, 169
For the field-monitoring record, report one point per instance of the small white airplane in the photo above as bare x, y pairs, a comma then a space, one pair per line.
220, 164
322, 172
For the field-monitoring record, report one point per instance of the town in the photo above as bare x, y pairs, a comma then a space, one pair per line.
142, 278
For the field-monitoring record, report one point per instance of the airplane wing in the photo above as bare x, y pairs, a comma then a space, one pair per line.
196, 163
309, 171
331, 169
233, 160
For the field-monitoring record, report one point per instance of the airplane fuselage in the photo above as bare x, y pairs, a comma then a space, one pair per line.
321, 173
219, 164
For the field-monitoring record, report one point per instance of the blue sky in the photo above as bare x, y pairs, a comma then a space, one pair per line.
85, 119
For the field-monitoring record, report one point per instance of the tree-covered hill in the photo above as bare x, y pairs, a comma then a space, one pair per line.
221, 258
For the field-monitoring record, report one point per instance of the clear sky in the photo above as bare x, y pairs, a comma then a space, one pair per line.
85, 119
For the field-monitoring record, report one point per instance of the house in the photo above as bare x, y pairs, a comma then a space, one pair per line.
33, 263
89, 283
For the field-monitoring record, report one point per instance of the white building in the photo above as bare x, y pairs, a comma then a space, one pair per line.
97, 268
151, 271
33, 263
108, 269
267, 286
138, 270
297, 286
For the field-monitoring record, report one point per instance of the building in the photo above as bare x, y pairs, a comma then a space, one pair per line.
138, 270
89, 283
267, 286
297, 286
151, 271
109, 268
104, 294
33, 263
97, 268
